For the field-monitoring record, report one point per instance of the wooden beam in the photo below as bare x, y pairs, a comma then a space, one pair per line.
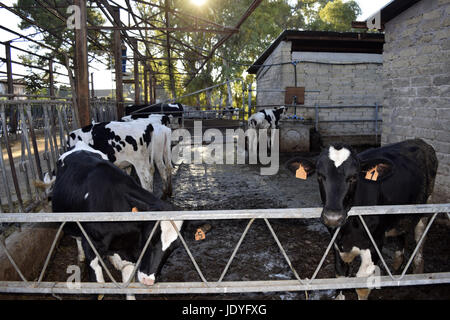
145, 83
92, 85
81, 71
169, 61
9, 68
137, 92
51, 87
117, 43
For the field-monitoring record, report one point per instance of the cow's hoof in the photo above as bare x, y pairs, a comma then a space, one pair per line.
148, 280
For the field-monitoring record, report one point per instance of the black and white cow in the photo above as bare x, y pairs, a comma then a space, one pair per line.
230, 112
264, 119
141, 143
143, 110
395, 174
267, 118
87, 182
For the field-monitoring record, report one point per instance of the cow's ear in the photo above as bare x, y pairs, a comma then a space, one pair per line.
377, 169
300, 167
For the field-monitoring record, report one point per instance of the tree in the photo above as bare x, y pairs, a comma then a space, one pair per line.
260, 29
55, 34
338, 15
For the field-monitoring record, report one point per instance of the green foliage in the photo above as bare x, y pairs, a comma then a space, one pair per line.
255, 34
36, 84
338, 15
229, 61
53, 32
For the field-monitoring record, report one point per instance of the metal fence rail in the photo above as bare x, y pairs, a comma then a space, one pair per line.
297, 284
40, 127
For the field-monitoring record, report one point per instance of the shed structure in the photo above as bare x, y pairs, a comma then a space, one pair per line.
345, 67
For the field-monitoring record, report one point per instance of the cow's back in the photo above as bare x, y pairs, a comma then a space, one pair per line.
412, 181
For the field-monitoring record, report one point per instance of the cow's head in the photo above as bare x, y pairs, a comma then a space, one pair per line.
282, 111
339, 171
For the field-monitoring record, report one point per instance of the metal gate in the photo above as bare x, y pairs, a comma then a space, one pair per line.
205, 286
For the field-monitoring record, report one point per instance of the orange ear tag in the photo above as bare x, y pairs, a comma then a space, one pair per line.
134, 209
199, 234
301, 173
372, 174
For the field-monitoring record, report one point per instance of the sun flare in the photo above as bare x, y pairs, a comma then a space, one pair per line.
198, 2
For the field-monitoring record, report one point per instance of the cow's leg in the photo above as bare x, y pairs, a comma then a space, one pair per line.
399, 243
167, 157
145, 174
341, 269
95, 269
163, 173
169, 168
418, 232
366, 269
125, 267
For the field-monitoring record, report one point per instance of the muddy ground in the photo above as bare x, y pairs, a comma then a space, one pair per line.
215, 187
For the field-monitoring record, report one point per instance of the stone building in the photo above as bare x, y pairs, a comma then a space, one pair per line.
416, 79
345, 67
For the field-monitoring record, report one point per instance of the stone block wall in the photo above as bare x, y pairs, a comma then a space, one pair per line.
416, 82
271, 77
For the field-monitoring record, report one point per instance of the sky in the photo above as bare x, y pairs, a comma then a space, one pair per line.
103, 79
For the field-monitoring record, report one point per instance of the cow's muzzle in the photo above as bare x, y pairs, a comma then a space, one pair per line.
333, 218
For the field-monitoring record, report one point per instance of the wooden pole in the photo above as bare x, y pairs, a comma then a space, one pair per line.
51, 91
9, 69
137, 92
145, 83
72, 88
51, 86
10, 84
81, 72
92, 86
153, 90
117, 43
169, 62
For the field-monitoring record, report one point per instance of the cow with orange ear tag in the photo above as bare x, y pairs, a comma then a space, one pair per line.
395, 174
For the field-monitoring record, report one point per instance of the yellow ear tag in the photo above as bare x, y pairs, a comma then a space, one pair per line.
134, 209
301, 173
372, 174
